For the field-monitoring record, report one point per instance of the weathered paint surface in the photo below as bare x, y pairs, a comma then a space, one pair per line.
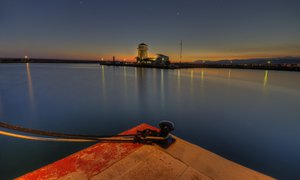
88, 162
127, 161
150, 163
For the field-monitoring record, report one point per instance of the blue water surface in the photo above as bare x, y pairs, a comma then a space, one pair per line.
251, 117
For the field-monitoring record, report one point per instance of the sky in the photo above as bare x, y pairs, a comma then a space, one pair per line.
95, 29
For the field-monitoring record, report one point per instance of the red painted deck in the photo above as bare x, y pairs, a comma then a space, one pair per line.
129, 161
87, 162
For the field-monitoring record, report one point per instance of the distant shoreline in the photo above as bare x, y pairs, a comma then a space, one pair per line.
279, 67
22, 60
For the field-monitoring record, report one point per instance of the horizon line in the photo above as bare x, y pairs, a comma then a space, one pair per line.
132, 60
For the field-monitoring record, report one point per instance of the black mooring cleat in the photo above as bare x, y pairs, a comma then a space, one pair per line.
161, 138
165, 128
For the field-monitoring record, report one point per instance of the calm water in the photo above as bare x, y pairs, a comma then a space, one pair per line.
249, 116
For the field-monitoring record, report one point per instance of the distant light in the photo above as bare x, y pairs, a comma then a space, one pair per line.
269, 62
102, 59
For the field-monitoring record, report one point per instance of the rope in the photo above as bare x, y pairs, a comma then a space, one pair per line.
55, 134
146, 136
42, 138
36, 138
62, 137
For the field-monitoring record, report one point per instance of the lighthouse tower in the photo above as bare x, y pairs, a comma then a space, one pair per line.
142, 51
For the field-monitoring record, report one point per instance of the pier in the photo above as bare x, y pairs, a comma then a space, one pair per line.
278, 66
182, 160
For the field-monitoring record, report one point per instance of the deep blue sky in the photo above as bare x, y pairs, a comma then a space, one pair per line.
91, 29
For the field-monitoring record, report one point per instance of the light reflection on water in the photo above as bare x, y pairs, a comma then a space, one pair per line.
266, 78
249, 116
178, 82
103, 86
30, 88
162, 88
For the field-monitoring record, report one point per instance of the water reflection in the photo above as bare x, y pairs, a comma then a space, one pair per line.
135, 81
162, 88
192, 81
202, 75
103, 85
103, 74
226, 107
125, 80
266, 78
125, 74
202, 82
202, 78
135, 73
30, 88
154, 79
178, 81
141, 90
192, 75
229, 73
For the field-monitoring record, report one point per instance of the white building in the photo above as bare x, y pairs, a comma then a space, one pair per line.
142, 51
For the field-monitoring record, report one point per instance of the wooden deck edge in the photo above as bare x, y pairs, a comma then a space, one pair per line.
209, 163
